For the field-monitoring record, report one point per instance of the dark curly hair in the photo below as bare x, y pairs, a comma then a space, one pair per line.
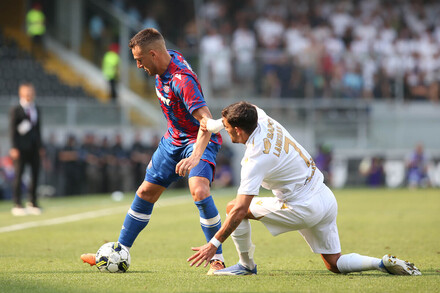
243, 115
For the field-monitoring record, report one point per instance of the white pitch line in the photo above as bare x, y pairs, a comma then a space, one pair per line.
90, 215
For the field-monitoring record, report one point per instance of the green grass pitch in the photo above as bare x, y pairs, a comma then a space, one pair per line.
41, 254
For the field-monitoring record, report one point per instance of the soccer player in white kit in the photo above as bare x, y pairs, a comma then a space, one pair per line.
302, 202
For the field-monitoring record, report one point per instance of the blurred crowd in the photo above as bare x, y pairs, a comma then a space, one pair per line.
98, 164
371, 171
279, 48
103, 165
347, 49
93, 165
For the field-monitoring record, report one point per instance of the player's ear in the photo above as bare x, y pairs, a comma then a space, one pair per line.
238, 130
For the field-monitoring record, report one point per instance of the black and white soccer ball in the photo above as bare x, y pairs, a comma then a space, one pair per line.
112, 257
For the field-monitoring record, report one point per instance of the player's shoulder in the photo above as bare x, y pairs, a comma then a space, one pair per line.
181, 68
182, 78
255, 146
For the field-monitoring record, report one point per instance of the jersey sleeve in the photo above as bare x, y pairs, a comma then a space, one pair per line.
187, 90
253, 171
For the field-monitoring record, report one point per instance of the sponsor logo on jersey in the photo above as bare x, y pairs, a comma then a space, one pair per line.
162, 98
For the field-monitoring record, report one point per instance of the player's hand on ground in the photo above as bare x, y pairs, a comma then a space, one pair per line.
204, 254
186, 165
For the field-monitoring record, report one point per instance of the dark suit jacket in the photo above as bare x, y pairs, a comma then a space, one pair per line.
31, 141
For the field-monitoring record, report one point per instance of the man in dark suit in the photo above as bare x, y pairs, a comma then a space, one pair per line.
25, 148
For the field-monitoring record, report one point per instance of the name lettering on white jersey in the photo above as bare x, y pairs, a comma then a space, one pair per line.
270, 135
162, 98
278, 142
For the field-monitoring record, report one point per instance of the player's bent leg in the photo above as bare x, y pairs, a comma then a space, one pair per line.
353, 262
137, 216
330, 261
249, 215
243, 243
149, 191
241, 237
139, 213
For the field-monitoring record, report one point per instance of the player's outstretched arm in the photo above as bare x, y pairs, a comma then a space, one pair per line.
203, 137
211, 125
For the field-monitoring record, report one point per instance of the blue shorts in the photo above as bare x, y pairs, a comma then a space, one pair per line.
162, 168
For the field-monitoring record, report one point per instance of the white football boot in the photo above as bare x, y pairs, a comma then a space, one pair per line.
397, 266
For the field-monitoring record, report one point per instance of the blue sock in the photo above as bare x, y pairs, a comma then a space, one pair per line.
209, 218
135, 221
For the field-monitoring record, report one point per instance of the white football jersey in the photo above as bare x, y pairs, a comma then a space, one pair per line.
276, 161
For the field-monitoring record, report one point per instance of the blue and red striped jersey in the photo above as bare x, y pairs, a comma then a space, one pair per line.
179, 93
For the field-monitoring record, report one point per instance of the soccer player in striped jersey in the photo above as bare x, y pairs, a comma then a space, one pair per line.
302, 202
184, 149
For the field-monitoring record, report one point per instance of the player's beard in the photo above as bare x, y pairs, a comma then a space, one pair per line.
234, 137
148, 71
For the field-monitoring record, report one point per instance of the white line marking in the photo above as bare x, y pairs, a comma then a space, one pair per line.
93, 214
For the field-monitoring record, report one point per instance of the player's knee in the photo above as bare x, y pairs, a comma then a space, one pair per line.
140, 191
200, 192
330, 262
333, 268
147, 194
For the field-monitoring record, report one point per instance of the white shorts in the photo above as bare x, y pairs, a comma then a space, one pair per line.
314, 218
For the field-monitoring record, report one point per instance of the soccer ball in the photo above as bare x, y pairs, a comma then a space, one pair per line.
112, 257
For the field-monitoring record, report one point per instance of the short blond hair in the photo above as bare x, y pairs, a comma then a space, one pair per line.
146, 38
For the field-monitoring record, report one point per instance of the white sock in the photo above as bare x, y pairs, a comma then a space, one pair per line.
128, 248
218, 257
354, 262
242, 240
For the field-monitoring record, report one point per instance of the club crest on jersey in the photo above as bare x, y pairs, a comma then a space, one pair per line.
166, 89
162, 98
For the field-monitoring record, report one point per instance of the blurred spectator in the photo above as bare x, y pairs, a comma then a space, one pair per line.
89, 154
149, 20
217, 59
68, 157
36, 28
6, 177
244, 47
223, 170
50, 164
110, 65
96, 31
119, 169
370, 47
139, 157
417, 167
104, 151
26, 148
270, 29
373, 170
134, 16
323, 161
352, 83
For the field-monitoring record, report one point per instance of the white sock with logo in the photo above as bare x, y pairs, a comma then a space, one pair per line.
242, 240
354, 262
